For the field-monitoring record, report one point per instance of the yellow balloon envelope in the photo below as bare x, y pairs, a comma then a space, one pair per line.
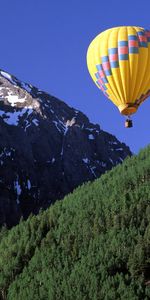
118, 60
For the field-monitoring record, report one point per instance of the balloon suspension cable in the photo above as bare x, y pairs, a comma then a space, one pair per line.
128, 122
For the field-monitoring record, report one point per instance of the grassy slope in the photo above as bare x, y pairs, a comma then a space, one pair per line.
95, 244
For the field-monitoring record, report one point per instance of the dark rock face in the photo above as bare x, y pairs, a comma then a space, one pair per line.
46, 149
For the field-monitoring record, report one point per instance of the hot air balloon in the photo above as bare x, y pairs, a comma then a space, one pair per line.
118, 61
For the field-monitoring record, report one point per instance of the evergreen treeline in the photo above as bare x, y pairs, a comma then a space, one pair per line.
95, 244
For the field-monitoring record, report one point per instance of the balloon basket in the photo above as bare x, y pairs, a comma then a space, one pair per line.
128, 123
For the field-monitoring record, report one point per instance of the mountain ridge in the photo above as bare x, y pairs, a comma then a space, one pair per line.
46, 149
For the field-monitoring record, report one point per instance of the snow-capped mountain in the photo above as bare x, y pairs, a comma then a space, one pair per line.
46, 149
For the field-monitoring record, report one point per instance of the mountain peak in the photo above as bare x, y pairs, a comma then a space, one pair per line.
6, 81
47, 148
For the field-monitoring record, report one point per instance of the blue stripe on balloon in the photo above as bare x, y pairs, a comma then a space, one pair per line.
123, 43
114, 64
97, 75
141, 33
104, 80
105, 88
113, 50
133, 50
104, 58
108, 72
143, 44
123, 56
99, 67
132, 37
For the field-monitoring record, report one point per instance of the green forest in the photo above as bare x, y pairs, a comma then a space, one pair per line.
94, 244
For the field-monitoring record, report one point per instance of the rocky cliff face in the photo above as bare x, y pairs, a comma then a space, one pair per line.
46, 149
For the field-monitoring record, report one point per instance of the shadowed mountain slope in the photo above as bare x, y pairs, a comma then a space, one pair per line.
46, 149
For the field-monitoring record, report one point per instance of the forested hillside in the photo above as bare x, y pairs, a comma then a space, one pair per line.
95, 244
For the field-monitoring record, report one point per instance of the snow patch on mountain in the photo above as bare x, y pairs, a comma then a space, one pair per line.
91, 137
28, 184
12, 118
26, 86
85, 160
35, 122
17, 188
7, 76
13, 99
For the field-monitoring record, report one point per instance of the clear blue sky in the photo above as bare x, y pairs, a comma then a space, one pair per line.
44, 42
